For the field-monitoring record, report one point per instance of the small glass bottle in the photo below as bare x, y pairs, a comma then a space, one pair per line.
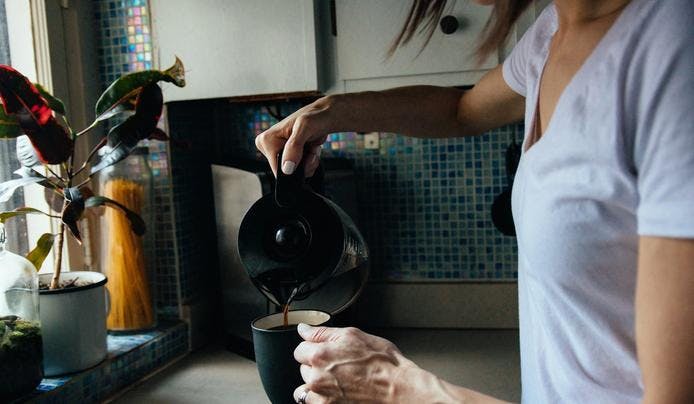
124, 256
21, 348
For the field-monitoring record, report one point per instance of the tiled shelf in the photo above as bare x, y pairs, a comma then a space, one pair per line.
130, 358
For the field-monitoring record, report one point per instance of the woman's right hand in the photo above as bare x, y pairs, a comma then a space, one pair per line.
301, 135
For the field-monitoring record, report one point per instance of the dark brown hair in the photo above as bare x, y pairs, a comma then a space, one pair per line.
424, 17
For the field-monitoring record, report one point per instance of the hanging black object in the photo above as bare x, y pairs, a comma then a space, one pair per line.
502, 216
294, 237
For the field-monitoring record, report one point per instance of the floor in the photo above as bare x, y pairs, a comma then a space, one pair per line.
483, 360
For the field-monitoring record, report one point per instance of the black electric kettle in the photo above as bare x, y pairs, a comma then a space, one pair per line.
294, 238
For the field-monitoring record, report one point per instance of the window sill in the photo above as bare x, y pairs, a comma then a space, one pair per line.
130, 358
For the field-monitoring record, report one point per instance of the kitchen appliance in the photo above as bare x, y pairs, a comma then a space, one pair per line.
296, 242
237, 186
502, 215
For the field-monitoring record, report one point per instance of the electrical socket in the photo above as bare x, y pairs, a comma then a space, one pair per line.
372, 140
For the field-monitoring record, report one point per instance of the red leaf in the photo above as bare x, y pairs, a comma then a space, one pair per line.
22, 99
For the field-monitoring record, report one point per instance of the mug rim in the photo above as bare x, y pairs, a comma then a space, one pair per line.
253, 323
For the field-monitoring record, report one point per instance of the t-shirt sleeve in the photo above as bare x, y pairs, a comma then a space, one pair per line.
515, 67
664, 132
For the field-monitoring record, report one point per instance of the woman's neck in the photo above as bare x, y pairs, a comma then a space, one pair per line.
579, 12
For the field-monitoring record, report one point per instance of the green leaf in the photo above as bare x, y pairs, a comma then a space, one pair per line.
28, 172
127, 88
136, 222
54, 103
20, 211
123, 137
72, 212
26, 154
8, 188
9, 127
40, 252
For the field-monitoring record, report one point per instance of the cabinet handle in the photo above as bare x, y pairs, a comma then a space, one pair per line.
449, 24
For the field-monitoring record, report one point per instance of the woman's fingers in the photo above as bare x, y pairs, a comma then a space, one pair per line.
305, 130
312, 157
318, 334
318, 380
270, 143
311, 398
310, 353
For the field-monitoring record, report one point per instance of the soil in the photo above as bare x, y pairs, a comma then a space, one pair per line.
74, 283
21, 357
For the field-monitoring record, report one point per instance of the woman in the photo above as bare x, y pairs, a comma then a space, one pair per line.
603, 203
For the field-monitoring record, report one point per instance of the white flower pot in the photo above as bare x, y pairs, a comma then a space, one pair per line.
73, 323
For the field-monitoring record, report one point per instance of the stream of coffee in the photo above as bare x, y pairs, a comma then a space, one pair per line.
289, 301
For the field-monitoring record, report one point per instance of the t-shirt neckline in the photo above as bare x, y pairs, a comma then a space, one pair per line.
588, 63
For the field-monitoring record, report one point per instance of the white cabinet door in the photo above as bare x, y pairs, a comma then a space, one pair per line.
366, 29
237, 47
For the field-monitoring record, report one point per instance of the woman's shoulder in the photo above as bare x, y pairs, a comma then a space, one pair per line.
657, 40
664, 22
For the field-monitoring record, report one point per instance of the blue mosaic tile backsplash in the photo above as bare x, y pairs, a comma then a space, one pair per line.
124, 46
424, 204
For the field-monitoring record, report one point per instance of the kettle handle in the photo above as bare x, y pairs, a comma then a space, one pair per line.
287, 187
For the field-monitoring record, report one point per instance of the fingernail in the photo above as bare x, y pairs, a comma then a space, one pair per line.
288, 167
301, 327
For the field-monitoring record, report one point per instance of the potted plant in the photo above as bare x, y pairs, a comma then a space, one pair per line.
21, 353
73, 304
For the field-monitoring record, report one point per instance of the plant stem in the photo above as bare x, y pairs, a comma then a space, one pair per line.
91, 154
69, 128
52, 172
55, 281
85, 182
87, 129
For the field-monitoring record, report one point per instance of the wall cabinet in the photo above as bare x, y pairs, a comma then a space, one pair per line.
366, 29
238, 47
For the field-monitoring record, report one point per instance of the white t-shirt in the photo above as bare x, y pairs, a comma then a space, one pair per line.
615, 162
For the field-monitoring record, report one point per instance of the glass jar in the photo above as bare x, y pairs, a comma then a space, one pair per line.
21, 349
125, 257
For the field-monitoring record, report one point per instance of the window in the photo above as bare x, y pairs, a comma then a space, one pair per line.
21, 48
16, 229
49, 42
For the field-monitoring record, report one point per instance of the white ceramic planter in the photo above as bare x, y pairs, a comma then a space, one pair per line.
73, 323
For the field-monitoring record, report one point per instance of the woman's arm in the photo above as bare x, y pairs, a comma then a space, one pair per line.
348, 365
665, 319
422, 111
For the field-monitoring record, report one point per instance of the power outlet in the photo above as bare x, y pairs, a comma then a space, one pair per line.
372, 140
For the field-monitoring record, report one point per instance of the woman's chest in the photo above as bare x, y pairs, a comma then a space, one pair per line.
570, 50
573, 197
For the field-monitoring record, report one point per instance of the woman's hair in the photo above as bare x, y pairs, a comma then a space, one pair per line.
424, 17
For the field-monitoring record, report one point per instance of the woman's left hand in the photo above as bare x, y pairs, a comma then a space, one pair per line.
349, 365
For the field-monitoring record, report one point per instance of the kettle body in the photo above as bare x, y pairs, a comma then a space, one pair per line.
295, 240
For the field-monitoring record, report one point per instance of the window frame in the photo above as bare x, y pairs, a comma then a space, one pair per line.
42, 33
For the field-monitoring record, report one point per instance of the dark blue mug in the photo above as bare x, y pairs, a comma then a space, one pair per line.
274, 347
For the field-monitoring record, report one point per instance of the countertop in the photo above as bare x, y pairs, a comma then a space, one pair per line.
483, 360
